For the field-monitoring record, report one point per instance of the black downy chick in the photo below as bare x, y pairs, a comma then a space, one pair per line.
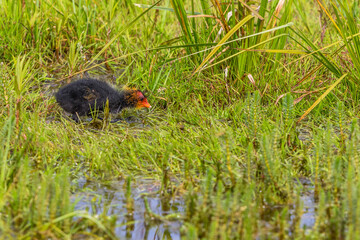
83, 96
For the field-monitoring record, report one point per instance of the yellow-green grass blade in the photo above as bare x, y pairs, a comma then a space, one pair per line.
222, 41
274, 18
309, 74
319, 50
121, 32
329, 15
261, 18
187, 46
226, 43
163, 8
243, 51
329, 63
288, 51
322, 97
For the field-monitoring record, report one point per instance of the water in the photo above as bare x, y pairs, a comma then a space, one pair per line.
109, 199
96, 198
308, 218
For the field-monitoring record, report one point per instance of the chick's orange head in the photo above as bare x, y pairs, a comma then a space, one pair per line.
142, 101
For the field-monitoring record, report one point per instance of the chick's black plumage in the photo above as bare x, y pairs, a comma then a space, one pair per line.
85, 95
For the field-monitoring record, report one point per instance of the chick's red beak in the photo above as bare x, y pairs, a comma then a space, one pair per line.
143, 103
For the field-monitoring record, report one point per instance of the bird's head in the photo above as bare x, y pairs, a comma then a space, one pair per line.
142, 101
135, 98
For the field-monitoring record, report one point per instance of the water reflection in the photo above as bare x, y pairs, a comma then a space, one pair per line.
133, 222
110, 199
307, 219
309, 205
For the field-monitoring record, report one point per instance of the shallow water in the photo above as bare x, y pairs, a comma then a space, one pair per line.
96, 198
307, 220
109, 198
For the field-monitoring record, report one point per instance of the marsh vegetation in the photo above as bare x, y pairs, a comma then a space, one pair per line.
252, 133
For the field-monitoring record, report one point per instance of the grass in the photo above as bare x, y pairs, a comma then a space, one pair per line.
244, 108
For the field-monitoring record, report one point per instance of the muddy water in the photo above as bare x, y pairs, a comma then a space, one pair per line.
97, 198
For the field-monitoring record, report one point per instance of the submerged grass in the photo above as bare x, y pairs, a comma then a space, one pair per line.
227, 88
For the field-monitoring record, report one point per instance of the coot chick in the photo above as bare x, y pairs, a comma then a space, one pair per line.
83, 96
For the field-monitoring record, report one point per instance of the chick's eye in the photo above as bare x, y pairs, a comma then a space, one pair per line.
141, 98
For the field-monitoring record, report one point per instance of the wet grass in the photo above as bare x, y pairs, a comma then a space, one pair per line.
256, 138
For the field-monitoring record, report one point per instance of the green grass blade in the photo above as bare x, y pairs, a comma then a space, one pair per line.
223, 40
322, 97
121, 32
